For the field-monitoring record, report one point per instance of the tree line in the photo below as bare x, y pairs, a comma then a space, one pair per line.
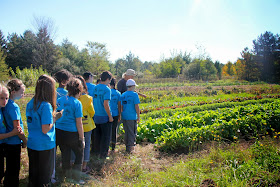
37, 49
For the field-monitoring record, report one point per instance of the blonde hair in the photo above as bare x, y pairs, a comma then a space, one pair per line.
3, 89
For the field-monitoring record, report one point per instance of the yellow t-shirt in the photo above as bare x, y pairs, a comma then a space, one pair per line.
88, 112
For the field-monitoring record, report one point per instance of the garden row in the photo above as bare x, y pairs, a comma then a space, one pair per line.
186, 131
185, 102
163, 94
167, 113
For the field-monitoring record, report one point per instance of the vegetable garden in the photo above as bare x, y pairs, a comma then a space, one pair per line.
179, 123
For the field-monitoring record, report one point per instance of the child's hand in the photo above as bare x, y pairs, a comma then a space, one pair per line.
138, 119
111, 119
24, 145
120, 118
17, 131
58, 115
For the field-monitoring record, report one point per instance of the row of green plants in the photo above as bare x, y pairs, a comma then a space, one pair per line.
197, 108
162, 94
178, 82
229, 124
152, 128
193, 101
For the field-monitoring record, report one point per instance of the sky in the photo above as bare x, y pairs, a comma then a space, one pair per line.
150, 29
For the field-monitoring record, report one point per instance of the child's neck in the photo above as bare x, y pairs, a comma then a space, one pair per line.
61, 85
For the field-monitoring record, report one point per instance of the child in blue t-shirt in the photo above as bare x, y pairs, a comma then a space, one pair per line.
115, 106
13, 120
130, 114
88, 76
41, 116
103, 118
69, 129
4, 97
62, 77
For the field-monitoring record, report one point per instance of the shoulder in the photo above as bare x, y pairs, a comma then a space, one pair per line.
11, 105
85, 98
75, 100
46, 106
122, 81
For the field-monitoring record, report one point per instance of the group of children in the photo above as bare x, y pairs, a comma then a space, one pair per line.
71, 117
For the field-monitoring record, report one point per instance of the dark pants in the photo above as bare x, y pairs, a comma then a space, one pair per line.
130, 132
12, 153
115, 126
93, 144
41, 164
2, 173
102, 138
68, 141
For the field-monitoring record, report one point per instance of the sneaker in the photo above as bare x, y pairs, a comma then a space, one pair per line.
86, 170
82, 182
53, 181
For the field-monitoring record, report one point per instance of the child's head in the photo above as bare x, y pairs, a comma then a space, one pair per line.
130, 84
74, 87
62, 77
106, 76
113, 83
45, 91
88, 76
98, 81
4, 96
85, 90
16, 89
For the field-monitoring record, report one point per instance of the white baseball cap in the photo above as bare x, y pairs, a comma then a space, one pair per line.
131, 82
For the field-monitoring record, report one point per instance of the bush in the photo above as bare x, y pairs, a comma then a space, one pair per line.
28, 76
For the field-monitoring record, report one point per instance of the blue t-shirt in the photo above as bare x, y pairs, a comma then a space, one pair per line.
37, 140
72, 109
115, 98
101, 93
128, 101
11, 113
90, 88
61, 92
2, 126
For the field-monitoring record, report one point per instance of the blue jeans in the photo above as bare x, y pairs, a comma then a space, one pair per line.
87, 136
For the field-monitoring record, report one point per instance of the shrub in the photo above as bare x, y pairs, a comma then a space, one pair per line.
28, 76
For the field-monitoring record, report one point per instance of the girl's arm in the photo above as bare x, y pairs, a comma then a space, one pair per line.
120, 110
107, 109
79, 125
16, 124
47, 127
15, 131
138, 112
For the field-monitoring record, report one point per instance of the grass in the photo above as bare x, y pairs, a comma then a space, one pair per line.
245, 163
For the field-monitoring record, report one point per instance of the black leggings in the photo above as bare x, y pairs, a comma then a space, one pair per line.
41, 164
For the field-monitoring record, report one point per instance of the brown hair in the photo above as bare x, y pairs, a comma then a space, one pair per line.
74, 87
83, 83
14, 85
62, 75
45, 91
